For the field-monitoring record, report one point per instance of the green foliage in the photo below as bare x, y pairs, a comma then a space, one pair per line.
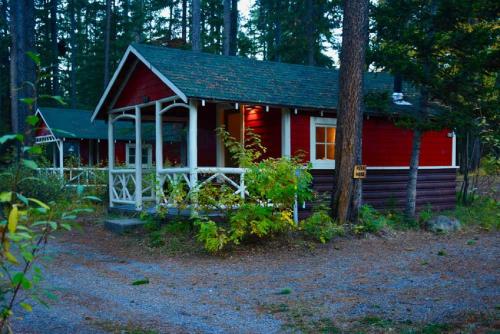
490, 165
425, 215
321, 227
370, 220
272, 187
483, 212
27, 223
213, 237
28, 182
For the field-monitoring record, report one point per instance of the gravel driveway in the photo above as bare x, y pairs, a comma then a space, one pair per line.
411, 276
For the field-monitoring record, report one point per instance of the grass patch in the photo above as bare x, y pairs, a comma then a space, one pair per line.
483, 212
307, 317
285, 291
441, 253
119, 328
172, 237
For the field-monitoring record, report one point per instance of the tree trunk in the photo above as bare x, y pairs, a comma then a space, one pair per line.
184, 20
22, 68
233, 39
411, 189
277, 32
310, 32
72, 37
227, 28
196, 26
55, 49
107, 41
4, 68
352, 64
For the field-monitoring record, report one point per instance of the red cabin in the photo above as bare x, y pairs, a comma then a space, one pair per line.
292, 107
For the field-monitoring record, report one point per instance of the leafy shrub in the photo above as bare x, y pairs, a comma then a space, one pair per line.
273, 186
321, 227
483, 211
370, 220
213, 237
261, 221
48, 188
490, 165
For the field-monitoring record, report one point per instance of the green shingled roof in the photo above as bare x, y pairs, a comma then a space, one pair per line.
75, 123
232, 78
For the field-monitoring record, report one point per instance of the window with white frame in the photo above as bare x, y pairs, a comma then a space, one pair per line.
147, 155
323, 131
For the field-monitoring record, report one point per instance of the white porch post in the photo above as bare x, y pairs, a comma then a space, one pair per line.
138, 159
286, 149
111, 158
61, 157
454, 149
54, 154
159, 148
219, 148
193, 143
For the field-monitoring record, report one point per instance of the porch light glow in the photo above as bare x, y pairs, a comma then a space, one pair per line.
202, 103
267, 108
295, 111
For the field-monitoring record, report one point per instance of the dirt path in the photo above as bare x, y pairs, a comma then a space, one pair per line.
412, 276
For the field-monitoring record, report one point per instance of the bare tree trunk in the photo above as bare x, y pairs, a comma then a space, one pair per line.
277, 33
310, 32
422, 115
22, 68
184, 20
233, 39
411, 189
352, 64
196, 26
72, 37
107, 41
55, 49
4, 63
227, 27
170, 21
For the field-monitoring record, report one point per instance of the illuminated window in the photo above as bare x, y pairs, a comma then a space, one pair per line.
323, 131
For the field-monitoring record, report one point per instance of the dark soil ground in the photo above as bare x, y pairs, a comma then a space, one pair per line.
405, 282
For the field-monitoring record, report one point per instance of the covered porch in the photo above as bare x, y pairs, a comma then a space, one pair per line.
139, 185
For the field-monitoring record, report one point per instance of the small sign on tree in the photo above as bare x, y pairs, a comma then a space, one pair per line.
360, 172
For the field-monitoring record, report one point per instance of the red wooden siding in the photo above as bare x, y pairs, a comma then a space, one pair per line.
207, 137
42, 129
120, 152
384, 144
300, 134
268, 126
142, 83
84, 152
103, 153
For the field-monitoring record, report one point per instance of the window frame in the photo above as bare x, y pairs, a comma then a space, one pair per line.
321, 122
149, 148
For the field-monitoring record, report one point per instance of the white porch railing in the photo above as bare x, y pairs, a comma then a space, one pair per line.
233, 177
123, 186
78, 176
